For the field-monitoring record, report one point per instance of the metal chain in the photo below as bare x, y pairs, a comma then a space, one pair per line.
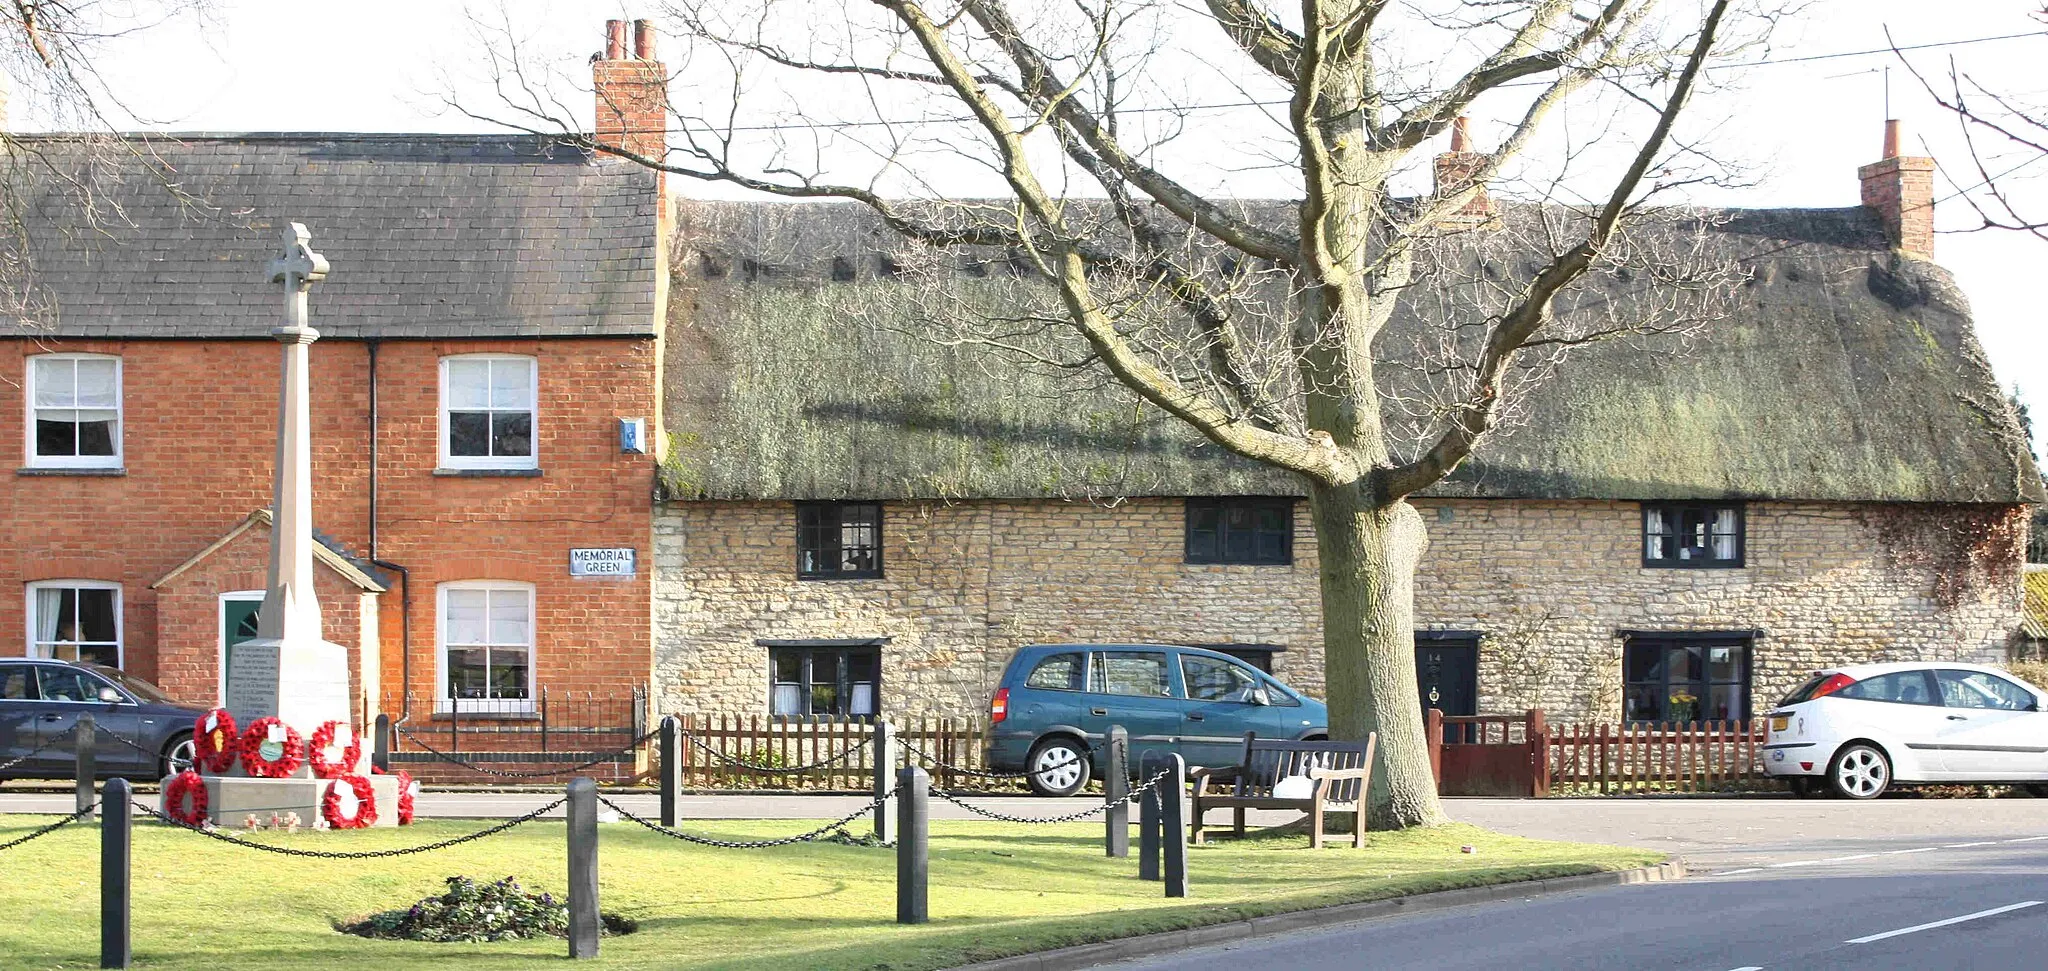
53, 827
743, 763
738, 844
38, 750
356, 854
985, 773
97, 732
1068, 818
544, 773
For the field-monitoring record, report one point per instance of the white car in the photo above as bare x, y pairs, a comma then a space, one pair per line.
1858, 730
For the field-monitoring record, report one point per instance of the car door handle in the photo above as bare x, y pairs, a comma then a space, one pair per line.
53, 718
1958, 718
1194, 716
1098, 711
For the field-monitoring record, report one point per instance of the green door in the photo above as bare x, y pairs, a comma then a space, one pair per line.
237, 624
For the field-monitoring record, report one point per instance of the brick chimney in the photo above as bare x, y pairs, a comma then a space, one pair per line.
632, 92
1454, 171
1901, 189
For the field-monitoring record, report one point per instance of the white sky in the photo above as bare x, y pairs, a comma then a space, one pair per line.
382, 65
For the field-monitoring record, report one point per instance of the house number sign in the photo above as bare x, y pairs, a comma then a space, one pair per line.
602, 563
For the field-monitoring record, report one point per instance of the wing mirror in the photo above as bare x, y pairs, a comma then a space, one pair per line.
1260, 697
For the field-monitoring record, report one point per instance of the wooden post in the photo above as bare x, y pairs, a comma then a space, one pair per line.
1116, 784
1149, 815
583, 919
116, 839
884, 755
1173, 825
1539, 747
1433, 737
671, 767
913, 834
82, 750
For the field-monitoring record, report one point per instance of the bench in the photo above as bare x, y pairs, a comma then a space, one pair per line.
1337, 772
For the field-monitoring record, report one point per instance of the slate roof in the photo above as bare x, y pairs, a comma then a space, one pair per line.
429, 236
1841, 371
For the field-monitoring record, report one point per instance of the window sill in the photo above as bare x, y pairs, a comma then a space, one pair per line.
488, 473
1236, 563
103, 472
1736, 565
838, 578
443, 715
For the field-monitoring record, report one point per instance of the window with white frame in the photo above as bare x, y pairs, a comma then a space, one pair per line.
74, 411
75, 620
486, 646
487, 411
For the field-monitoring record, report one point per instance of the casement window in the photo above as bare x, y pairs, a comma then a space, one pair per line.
74, 411
75, 620
824, 679
486, 646
838, 540
1695, 535
1686, 677
488, 412
1257, 531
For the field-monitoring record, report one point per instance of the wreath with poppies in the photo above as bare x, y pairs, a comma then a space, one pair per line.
291, 756
186, 788
366, 803
215, 748
316, 753
405, 788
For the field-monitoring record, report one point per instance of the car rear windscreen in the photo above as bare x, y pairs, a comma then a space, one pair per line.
1804, 691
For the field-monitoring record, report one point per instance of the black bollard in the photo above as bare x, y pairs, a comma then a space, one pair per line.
671, 767
1173, 836
913, 856
1149, 820
1116, 785
583, 923
82, 745
885, 771
380, 743
116, 826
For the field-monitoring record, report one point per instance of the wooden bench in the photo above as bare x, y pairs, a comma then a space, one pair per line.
1339, 772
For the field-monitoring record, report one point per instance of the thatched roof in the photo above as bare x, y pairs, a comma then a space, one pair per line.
1837, 371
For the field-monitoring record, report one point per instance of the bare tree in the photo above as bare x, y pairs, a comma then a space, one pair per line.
1264, 327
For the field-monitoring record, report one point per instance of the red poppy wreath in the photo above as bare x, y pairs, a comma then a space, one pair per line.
214, 742
316, 753
405, 788
281, 758
366, 803
186, 787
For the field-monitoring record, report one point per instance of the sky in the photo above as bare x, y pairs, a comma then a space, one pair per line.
1800, 124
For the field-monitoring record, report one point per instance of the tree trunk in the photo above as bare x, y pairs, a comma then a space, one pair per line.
1368, 556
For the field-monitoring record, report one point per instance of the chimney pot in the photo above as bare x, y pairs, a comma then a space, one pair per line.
1459, 138
643, 39
1891, 138
614, 40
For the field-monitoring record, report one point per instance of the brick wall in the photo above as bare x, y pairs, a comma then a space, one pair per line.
198, 437
1550, 583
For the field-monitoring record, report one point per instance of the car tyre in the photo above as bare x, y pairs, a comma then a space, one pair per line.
1058, 766
1859, 771
178, 755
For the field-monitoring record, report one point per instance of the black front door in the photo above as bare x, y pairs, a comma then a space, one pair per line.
1447, 673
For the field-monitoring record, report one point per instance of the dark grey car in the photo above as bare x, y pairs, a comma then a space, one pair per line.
40, 701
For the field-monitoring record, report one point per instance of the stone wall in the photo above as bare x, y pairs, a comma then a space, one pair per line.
1550, 584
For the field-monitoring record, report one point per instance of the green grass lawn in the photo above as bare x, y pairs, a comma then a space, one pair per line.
996, 889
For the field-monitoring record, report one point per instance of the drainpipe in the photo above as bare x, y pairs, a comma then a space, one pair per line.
404, 575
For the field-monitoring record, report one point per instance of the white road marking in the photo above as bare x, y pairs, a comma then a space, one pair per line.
1750, 967
1730, 873
2028, 839
1917, 849
1866, 856
1958, 846
1993, 912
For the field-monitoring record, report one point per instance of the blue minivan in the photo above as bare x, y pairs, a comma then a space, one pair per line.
1056, 703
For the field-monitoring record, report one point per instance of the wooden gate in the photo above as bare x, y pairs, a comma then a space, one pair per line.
1489, 755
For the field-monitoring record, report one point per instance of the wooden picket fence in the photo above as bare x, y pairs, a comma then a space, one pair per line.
788, 743
1657, 757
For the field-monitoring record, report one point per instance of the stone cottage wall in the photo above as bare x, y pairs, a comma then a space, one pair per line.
1550, 584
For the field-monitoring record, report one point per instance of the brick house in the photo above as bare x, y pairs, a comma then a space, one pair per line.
859, 519
490, 338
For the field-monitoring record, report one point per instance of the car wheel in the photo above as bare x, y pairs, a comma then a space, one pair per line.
1859, 772
178, 755
1058, 767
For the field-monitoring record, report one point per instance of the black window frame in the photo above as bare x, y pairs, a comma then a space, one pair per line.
1216, 551
810, 539
808, 651
1743, 642
1674, 513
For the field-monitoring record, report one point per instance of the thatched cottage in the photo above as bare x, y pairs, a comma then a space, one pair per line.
859, 519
